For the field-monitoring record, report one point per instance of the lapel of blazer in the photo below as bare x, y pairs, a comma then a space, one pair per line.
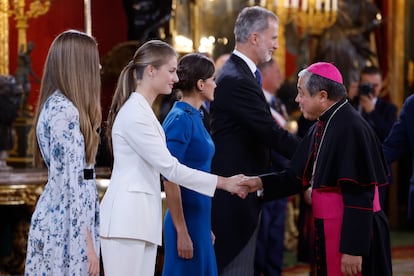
160, 129
154, 118
244, 69
157, 124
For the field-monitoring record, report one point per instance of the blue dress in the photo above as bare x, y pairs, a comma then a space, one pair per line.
69, 203
189, 141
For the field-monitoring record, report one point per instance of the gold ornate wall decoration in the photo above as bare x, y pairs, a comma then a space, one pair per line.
21, 15
4, 37
312, 16
17, 9
20, 190
203, 25
184, 29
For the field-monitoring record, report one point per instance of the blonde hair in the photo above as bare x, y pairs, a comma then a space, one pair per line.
72, 67
153, 52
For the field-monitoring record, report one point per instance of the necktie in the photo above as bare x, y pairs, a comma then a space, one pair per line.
258, 77
277, 105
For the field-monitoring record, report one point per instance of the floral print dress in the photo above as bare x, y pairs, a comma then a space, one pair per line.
69, 203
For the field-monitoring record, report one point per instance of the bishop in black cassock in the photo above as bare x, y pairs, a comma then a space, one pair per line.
340, 164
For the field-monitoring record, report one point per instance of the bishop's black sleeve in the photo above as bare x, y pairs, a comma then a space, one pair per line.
280, 184
358, 218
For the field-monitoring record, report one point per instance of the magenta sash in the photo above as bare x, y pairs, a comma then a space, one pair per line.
327, 205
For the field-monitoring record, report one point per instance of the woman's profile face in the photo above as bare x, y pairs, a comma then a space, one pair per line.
165, 76
208, 89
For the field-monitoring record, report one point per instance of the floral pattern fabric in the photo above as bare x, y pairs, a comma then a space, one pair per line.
69, 203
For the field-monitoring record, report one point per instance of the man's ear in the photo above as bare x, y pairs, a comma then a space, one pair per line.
323, 94
253, 38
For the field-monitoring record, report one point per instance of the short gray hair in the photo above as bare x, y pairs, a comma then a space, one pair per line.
250, 20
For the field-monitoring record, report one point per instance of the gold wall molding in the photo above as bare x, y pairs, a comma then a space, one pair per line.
311, 16
21, 188
24, 186
4, 37
396, 59
396, 54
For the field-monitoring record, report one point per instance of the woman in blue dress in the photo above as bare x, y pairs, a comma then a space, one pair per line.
187, 226
63, 237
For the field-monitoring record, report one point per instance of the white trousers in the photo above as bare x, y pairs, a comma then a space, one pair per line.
128, 257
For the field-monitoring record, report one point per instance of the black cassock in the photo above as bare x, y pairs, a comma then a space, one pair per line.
349, 169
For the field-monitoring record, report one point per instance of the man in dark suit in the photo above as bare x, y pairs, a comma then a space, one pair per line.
379, 113
271, 235
400, 143
244, 133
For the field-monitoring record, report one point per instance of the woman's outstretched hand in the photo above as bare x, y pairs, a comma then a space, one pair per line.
240, 184
252, 183
232, 185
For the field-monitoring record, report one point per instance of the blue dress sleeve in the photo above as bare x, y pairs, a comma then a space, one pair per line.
178, 131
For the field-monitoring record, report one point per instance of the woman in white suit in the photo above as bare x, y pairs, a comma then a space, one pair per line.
131, 215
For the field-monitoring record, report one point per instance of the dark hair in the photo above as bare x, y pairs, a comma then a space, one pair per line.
370, 70
192, 68
315, 83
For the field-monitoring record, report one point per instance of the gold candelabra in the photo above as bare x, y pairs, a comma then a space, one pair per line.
17, 8
22, 14
311, 16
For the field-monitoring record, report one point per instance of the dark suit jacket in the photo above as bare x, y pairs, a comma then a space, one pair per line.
400, 143
244, 132
382, 118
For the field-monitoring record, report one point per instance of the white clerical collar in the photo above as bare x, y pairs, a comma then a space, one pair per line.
250, 63
268, 96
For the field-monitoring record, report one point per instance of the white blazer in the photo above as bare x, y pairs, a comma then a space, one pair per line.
131, 206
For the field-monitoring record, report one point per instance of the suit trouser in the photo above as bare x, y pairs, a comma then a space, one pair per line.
128, 257
270, 238
243, 263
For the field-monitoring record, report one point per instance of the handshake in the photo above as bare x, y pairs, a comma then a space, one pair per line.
240, 184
